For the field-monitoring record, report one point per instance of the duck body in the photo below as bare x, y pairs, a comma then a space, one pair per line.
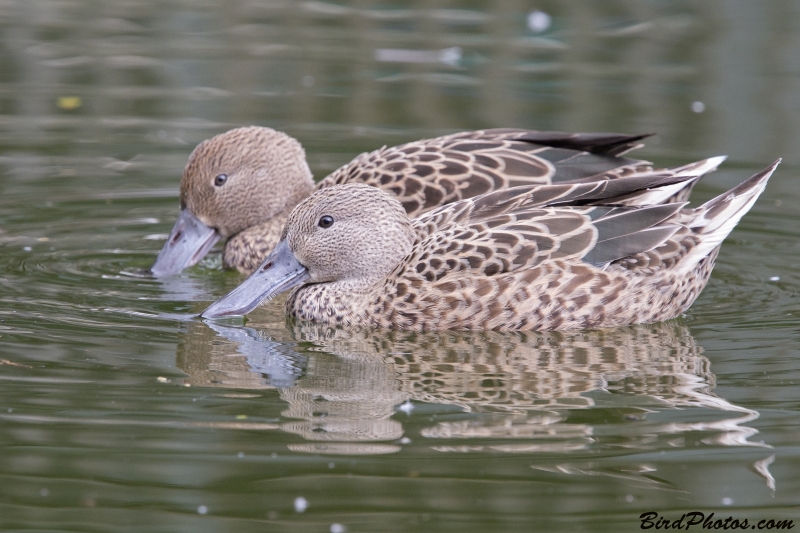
241, 185
526, 258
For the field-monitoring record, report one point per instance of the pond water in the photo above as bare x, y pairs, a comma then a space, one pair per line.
117, 416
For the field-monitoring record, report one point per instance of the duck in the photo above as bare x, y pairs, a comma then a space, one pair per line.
552, 257
241, 185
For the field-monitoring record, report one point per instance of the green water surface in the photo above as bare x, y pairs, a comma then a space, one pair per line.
115, 417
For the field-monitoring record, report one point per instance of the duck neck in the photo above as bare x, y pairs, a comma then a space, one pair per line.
247, 249
352, 300
336, 303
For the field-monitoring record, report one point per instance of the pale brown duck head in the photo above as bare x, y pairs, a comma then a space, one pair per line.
232, 182
352, 235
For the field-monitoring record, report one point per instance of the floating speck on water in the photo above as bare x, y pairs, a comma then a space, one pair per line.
10, 409
202, 509
68, 103
44, 492
241, 417
450, 56
27, 248
331, 465
698, 107
727, 501
775, 278
407, 407
405, 440
629, 498
162, 379
338, 528
539, 21
300, 504
240, 455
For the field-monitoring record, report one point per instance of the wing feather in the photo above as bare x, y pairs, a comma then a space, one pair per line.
516, 229
432, 172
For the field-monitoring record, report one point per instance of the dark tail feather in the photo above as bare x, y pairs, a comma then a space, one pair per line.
596, 143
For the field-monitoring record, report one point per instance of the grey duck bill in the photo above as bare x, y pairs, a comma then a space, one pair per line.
188, 242
279, 272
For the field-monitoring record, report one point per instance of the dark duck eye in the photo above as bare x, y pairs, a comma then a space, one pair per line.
326, 221
220, 180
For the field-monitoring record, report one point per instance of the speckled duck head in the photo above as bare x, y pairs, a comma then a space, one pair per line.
349, 237
233, 182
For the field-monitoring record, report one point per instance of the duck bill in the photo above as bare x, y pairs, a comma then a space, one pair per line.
189, 241
279, 272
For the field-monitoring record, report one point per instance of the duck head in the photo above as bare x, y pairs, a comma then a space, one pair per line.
352, 235
233, 181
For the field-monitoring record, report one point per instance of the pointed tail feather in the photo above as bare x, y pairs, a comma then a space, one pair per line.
700, 168
677, 192
715, 219
674, 193
611, 144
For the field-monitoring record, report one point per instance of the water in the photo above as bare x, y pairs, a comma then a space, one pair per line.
117, 414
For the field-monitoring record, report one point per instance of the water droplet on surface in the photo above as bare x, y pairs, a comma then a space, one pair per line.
539, 21
406, 407
300, 504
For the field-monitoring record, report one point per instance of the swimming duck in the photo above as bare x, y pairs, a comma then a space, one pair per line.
525, 258
242, 184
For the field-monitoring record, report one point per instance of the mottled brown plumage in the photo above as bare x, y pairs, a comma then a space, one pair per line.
266, 175
542, 258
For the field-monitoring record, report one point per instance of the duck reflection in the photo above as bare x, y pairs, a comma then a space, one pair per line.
495, 391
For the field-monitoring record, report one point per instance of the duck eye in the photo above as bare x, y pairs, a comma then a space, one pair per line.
220, 180
325, 221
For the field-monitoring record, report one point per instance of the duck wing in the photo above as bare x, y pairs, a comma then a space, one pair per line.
433, 172
477, 266
470, 238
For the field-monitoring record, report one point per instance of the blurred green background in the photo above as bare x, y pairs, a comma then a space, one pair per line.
116, 418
